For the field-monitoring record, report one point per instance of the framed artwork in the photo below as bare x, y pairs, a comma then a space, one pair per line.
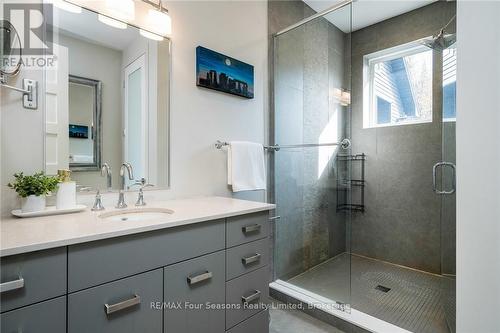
220, 72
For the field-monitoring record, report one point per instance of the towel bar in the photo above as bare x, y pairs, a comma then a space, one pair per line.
345, 144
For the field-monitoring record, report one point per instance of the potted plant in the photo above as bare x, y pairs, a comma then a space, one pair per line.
33, 189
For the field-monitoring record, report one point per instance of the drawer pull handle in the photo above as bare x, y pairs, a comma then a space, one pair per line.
122, 305
12, 285
198, 278
251, 228
255, 296
251, 259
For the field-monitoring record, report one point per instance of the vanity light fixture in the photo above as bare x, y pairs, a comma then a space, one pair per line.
67, 6
123, 10
111, 22
158, 19
150, 35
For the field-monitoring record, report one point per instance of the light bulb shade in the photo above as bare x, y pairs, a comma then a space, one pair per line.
121, 9
159, 22
69, 7
150, 35
111, 22
342, 96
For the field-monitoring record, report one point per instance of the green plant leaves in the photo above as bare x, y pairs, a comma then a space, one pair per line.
38, 184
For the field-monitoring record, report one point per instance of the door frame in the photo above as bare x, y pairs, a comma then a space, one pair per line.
138, 63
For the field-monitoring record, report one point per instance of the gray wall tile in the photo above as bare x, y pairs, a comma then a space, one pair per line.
402, 223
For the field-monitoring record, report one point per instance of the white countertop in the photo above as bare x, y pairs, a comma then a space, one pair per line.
21, 235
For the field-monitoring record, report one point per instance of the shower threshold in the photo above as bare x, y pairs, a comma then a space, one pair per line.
317, 306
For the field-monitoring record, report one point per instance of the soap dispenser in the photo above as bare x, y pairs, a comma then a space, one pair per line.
66, 192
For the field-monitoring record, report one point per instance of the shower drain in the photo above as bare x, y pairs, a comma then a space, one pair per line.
382, 288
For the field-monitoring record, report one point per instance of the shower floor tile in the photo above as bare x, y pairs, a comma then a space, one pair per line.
414, 301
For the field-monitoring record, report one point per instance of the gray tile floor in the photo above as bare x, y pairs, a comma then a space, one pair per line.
414, 301
295, 321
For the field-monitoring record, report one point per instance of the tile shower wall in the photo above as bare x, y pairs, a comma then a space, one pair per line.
402, 221
310, 63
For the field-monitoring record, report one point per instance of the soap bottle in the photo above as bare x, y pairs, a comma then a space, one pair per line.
66, 192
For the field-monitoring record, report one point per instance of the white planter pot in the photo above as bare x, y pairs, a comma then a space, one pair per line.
33, 203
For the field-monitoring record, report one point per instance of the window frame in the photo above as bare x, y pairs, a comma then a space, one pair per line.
370, 112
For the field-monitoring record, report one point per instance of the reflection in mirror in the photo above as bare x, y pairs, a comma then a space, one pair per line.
107, 101
84, 123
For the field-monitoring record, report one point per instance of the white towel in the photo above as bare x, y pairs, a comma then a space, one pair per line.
246, 169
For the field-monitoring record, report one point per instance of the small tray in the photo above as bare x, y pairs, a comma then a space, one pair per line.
51, 210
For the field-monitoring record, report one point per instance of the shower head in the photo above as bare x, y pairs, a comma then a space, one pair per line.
442, 40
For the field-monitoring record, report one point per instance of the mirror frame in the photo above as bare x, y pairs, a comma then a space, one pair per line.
96, 9
96, 131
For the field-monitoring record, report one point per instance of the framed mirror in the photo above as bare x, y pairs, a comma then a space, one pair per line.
107, 101
84, 96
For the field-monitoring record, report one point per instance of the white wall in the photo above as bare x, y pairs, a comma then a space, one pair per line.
478, 166
198, 116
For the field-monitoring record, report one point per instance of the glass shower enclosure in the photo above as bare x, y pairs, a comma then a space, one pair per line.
366, 209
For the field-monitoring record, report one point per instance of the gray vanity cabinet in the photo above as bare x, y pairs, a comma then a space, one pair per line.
122, 306
93, 263
191, 287
251, 291
32, 277
44, 317
247, 271
256, 324
247, 258
174, 280
246, 228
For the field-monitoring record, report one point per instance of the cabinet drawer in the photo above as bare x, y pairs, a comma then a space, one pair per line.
246, 228
98, 262
32, 277
256, 324
254, 288
193, 284
122, 306
246, 258
44, 317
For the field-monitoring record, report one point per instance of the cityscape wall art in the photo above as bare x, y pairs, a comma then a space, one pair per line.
220, 72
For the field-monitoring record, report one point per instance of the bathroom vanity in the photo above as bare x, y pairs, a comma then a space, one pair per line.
202, 268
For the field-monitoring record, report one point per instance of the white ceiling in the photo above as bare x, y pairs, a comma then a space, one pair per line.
365, 12
86, 26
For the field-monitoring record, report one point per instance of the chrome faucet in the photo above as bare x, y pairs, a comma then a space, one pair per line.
98, 206
106, 172
142, 183
121, 195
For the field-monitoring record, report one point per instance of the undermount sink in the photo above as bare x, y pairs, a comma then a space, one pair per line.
136, 214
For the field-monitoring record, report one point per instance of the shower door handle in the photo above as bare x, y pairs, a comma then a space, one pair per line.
434, 175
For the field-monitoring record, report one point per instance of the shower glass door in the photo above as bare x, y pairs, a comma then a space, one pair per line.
448, 199
312, 182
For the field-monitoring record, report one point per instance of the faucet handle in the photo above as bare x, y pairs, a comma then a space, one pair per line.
140, 198
142, 183
97, 202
